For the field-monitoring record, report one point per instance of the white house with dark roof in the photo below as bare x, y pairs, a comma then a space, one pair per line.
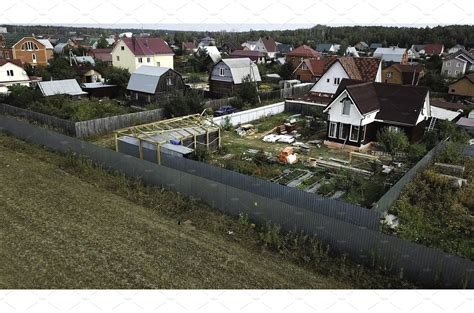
12, 74
131, 53
360, 109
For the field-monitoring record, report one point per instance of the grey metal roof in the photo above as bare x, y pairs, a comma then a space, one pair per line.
59, 48
46, 43
177, 148
145, 78
61, 87
392, 54
85, 59
241, 68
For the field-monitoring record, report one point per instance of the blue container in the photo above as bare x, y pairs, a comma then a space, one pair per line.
175, 142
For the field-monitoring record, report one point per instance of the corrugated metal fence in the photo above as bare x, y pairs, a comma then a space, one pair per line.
428, 267
389, 198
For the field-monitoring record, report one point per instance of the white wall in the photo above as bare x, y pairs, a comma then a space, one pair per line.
19, 76
335, 112
129, 61
335, 71
426, 111
248, 116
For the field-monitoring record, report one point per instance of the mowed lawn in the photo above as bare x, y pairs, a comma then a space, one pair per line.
59, 231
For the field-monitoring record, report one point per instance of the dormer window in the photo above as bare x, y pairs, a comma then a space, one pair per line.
346, 107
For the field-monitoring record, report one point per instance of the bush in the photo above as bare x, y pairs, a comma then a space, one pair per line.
22, 96
184, 104
416, 152
452, 153
200, 154
392, 141
227, 126
248, 91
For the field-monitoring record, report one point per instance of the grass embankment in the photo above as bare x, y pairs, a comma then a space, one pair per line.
68, 224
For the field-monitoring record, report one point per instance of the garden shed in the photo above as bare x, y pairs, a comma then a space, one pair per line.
177, 136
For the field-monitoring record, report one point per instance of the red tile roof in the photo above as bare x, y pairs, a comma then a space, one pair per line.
104, 55
304, 51
434, 48
147, 46
247, 53
316, 67
357, 68
15, 61
189, 45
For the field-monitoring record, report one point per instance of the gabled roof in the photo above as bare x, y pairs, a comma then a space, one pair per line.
145, 78
357, 68
11, 39
269, 44
213, 53
147, 46
434, 48
104, 54
316, 67
15, 61
392, 54
469, 77
284, 48
46, 43
61, 87
447, 105
242, 68
304, 51
461, 53
395, 103
324, 47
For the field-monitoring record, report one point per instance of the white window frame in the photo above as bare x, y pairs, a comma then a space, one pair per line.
344, 103
169, 81
395, 129
9, 72
140, 60
33, 58
389, 74
328, 80
337, 80
358, 133
458, 64
304, 66
364, 130
334, 134
158, 64
122, 48
448, 63
118, 58
221, 71
148, 60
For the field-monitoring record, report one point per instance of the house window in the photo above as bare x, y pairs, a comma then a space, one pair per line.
304, 66
354, 133
140, 60
221, 71
389, 75
332, 130
118, 58
342, 131
147, 60
394, 129
29, 46
169, 81
456, 72
122, 48
449, 72
364, 129
336, 81
9, 72
327, 80
448, 64
33, 58
158, 64
7, 54
458, 64
346, 107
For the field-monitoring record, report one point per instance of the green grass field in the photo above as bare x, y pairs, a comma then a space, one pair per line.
70, 226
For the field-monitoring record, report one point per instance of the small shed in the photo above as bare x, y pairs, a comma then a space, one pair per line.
176, 137
227, 75
100, 90
152, 84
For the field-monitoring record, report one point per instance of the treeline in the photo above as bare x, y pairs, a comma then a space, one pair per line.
402, 36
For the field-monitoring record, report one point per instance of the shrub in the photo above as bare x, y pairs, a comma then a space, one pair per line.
22, 96
452, 153
248, 91
416, 152
227, 126
392, 141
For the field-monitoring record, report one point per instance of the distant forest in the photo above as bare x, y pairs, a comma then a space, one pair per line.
346, 35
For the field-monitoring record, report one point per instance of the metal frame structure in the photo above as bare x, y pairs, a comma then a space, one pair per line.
178, 128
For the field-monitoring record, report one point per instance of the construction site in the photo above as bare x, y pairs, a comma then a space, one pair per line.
179, 136
285, 150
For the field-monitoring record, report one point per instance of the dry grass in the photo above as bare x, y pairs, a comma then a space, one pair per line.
59, 231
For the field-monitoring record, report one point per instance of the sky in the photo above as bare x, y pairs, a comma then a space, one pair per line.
232, 15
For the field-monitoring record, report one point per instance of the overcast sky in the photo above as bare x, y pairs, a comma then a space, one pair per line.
236, 15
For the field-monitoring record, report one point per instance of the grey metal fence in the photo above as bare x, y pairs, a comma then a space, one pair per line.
389, 198
428, 267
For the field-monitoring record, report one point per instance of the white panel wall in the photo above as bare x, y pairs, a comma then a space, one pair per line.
248, 116
335, 71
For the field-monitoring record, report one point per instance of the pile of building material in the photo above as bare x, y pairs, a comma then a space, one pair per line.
287, 156
245, 130
334, 164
